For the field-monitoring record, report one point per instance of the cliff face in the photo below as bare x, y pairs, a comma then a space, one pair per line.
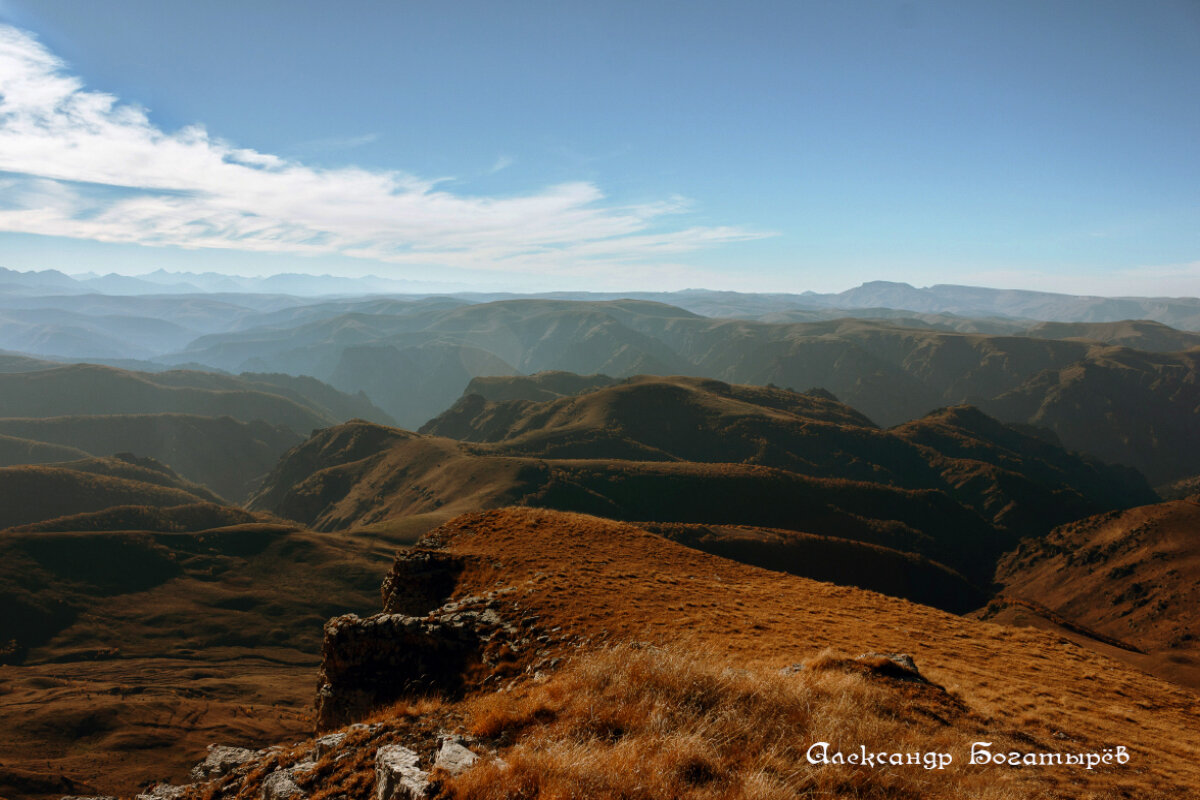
371, 662
423, 644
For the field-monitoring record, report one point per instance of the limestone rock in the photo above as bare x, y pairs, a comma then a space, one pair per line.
280, 785
327, 744
420, 581
398, 774
163, 791
220, 761
454, 757
366, 663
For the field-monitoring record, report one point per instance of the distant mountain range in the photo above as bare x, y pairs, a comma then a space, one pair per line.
876, 298
1125, 391
52, 281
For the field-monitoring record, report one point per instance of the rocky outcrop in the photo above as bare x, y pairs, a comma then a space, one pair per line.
327, 744
420, 581
366, 663
370, 662
423, 643
163, 791
893, 665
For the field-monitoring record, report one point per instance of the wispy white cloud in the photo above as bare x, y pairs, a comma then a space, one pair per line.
82, 164
503, 162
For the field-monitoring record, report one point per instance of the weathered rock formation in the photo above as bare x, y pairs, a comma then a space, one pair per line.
420, 581
398, 774
366, 663
422, 644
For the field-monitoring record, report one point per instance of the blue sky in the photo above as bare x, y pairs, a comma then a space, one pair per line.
645, 145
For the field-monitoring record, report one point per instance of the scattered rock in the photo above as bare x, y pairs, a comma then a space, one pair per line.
327, 744
220, 761
894, 665
453, 756
163, 791
280, 785
398, 774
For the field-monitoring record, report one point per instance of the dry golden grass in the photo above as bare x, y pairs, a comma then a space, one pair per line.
597, 582
647, 722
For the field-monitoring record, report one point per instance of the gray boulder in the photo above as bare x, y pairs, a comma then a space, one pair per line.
398, 774
453, 756
280, 785
327, 744
220, 761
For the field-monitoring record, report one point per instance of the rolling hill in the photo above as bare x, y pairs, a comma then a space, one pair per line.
34, 494
1127, 578
687, 450
996, 470
144, 634
891, 369
1123, 405
220, 430
98, 390
224, 454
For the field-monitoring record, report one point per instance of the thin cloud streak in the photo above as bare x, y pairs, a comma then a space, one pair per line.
84, 165
337, 143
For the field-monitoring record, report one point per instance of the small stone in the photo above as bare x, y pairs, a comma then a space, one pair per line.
163, 791
903, 666
454, 757
398, 774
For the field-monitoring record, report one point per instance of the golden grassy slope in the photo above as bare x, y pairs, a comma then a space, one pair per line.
685, 675
33, 494
601, 581
1132, 575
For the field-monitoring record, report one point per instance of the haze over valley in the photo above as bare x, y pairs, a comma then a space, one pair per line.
245, 465
618, 401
